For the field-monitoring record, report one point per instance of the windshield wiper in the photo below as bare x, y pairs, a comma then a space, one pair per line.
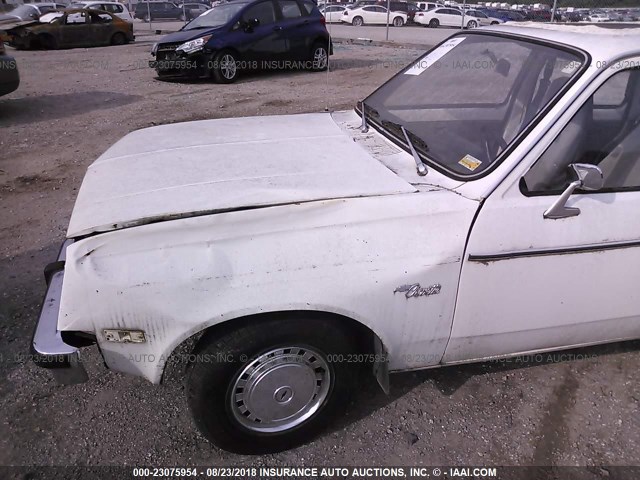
422, 168
373, 113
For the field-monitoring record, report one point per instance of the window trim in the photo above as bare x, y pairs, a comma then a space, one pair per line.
605, 75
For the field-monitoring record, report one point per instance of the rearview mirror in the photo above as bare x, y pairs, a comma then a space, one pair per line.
589, 178
503, 67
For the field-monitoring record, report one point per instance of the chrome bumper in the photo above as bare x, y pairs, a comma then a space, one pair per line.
48, 348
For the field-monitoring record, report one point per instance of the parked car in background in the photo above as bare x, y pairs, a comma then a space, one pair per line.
245, 35
538, 15
150, 11
573, 17
427, 5
193, 10
333, 13
446, 17
9, 76
482, 18
599, 17
72, 28
282, 258
498, 15
28, 12
373, 15
116, 8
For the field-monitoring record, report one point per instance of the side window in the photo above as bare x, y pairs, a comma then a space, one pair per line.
609, 139
263, 11
290, 8
612, 94
308, 7
369, 9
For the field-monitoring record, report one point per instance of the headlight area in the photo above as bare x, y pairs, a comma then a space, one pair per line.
193, 45
188, 59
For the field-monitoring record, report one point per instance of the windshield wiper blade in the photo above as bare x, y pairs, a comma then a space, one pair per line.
421, 167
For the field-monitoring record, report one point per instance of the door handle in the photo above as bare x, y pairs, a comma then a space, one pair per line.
277, 28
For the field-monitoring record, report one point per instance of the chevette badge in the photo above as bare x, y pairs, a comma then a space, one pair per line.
415, 290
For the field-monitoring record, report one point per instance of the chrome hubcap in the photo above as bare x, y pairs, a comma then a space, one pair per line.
228, 66
280, 389
320, 58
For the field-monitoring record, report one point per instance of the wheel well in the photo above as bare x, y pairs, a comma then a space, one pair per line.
364, 338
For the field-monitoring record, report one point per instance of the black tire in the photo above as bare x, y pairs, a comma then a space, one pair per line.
434, 23
215, 399
47, 42
357, 21
398, 22
224, 68
319, 57
118, 38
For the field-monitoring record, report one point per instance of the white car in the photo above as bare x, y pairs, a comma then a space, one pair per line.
599, 17
482, 18
446, 17
428, 5
483, 203
333, 13
373, 15
116, 8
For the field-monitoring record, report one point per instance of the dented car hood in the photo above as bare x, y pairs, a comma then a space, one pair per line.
196, 168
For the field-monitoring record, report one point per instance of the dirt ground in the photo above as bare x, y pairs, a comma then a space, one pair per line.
578, 408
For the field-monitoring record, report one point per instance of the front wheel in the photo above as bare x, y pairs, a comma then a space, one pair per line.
398, 22
118, 38
472, 24
433, 23
357, 22
270, 385
47, 42
224, 67
319, 57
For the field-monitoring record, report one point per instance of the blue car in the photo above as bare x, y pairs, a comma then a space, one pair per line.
246, 35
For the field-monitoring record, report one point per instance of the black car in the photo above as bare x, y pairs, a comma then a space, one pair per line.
9, 78
246, 34
147, 11
194, 10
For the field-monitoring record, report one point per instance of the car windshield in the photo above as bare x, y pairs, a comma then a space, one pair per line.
217, 16
467, 100
23, 11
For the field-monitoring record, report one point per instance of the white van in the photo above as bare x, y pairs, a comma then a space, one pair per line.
118, 9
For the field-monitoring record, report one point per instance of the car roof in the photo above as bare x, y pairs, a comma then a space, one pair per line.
608, 41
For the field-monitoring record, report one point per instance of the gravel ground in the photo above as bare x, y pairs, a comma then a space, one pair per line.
577, 409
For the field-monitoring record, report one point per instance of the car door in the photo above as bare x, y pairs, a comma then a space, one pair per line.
536, 278
293, 30
101, 29
74, 29
262, 42
381, 15
453, 17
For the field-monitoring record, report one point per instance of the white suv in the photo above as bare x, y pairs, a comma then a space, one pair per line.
118, 9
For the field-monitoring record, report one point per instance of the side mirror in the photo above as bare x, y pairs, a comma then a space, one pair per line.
589, 178
249, 25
